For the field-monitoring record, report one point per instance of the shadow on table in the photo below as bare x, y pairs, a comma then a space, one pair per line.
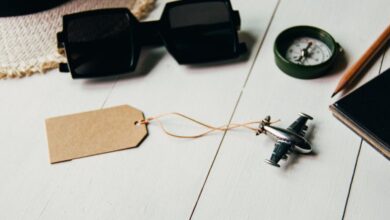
340, 65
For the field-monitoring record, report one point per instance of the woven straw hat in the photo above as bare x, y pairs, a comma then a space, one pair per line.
28, 43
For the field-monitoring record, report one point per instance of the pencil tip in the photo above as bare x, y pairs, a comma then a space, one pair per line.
333, 94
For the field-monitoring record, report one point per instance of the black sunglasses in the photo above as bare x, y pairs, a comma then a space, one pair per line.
108, 42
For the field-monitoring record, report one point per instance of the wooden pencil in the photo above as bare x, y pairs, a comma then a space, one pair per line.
363, 61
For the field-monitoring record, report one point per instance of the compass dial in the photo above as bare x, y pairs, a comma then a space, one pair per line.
305, 52
308, 51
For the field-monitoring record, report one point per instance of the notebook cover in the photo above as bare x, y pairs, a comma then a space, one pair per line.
367, 112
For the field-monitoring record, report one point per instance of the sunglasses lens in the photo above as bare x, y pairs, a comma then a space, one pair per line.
99, 43
201, 32
202, 13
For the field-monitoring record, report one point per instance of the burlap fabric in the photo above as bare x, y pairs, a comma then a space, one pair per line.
28, 43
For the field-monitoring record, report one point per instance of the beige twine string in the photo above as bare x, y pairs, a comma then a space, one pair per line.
210, 128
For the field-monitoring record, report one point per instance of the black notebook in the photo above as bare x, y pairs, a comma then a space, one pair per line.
367, 112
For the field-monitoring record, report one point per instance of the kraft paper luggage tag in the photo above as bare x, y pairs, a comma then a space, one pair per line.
94, 132
122, 127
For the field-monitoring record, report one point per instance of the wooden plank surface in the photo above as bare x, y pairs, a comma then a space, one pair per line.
164, 178
241, 186
177, 168
159, 180
370, 192
28, 182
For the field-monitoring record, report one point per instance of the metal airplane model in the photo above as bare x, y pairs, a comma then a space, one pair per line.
287, 140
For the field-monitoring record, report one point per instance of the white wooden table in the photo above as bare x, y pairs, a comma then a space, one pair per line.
221, 176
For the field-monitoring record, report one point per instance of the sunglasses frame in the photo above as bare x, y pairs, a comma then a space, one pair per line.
235, 24
63, 42
150, 33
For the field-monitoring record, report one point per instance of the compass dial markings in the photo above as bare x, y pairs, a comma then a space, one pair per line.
317, 53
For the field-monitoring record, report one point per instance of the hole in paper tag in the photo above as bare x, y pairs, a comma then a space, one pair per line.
95, 132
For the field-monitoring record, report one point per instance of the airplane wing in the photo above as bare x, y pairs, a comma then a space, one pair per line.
299, 125
280, 151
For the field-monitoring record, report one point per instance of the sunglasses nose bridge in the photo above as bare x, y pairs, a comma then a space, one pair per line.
149, 34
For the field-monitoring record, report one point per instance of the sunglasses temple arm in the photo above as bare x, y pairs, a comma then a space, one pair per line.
149, 33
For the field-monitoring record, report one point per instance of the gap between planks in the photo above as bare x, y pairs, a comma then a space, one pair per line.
235, 108
382, 57
109, 93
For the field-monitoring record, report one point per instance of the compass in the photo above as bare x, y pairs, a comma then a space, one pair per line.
305, 52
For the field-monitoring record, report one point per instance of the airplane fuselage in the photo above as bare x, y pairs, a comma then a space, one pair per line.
296, 140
